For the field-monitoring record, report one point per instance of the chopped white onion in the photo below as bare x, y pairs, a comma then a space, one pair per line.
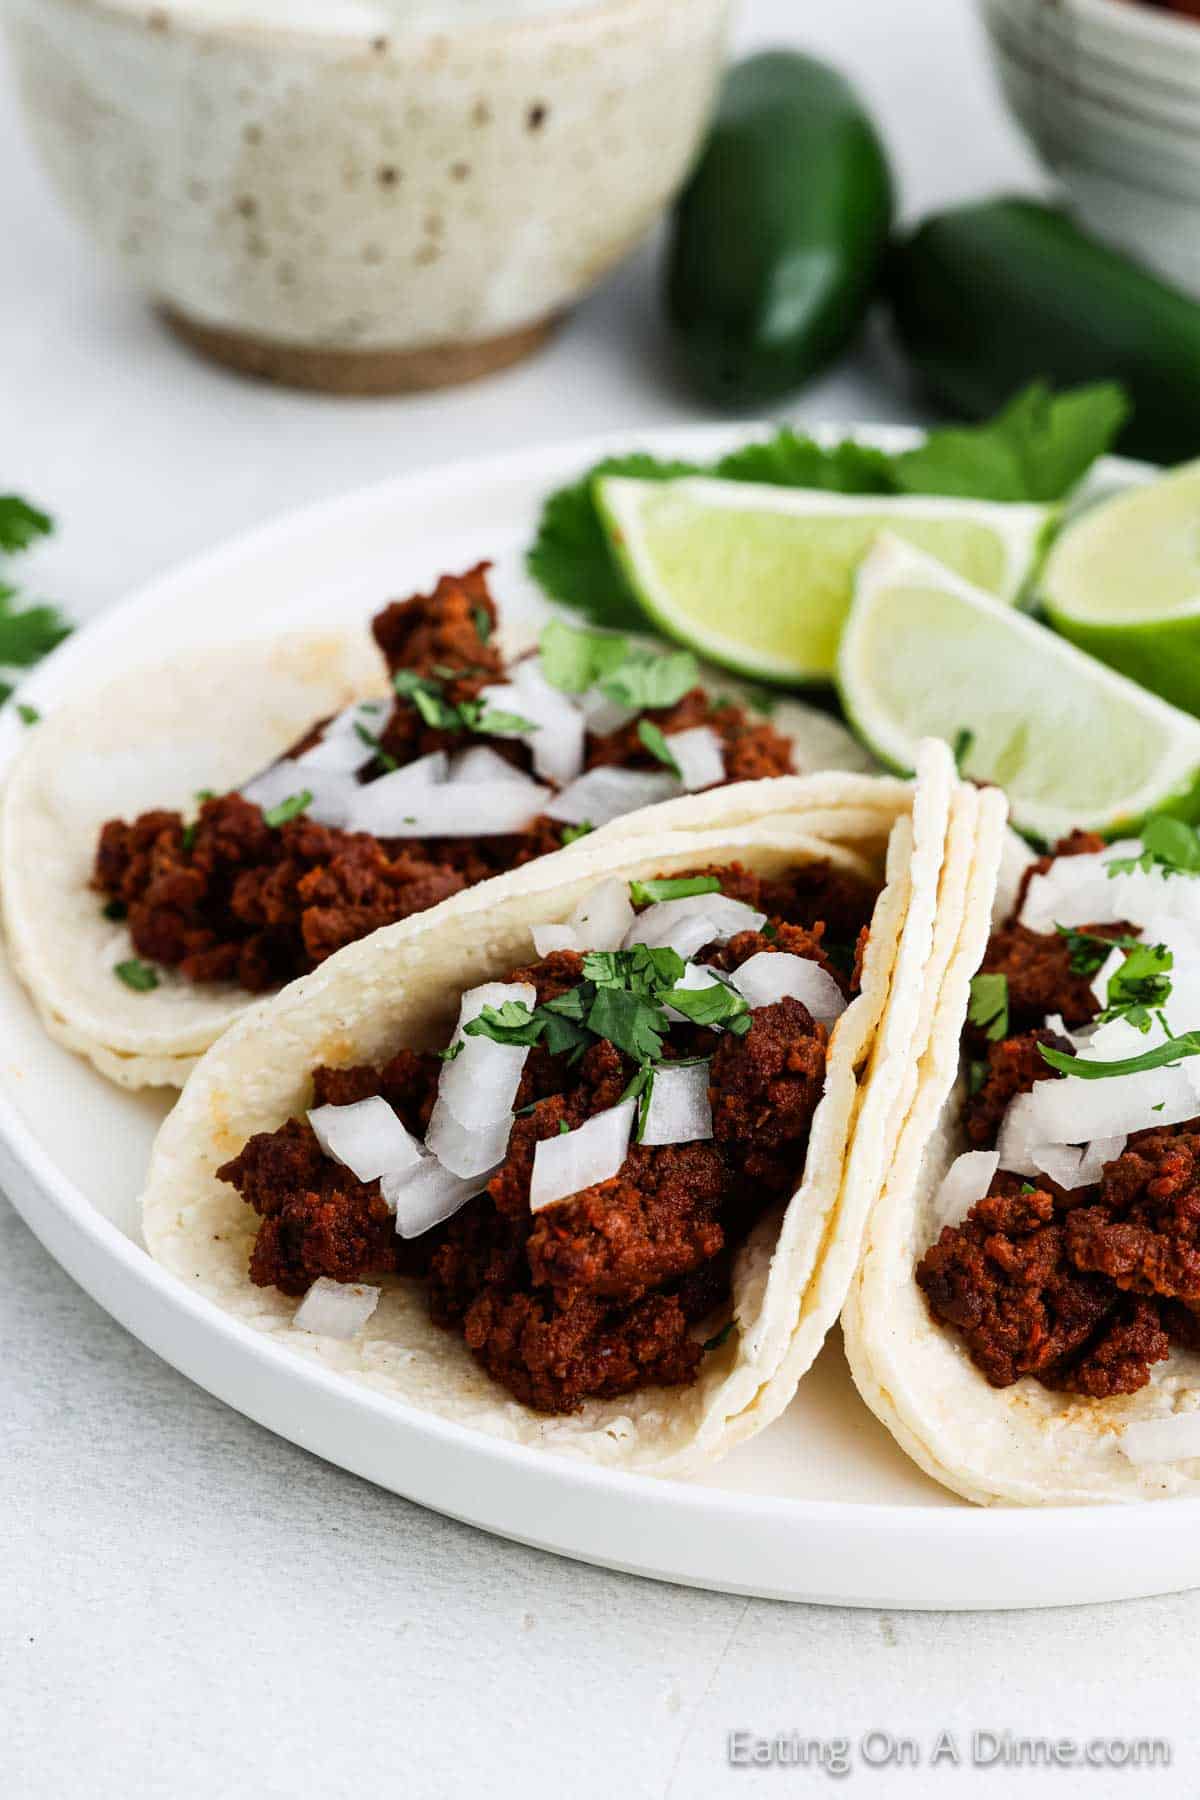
549, 938
1078, 890
772, 975
1175, 1438
336, 1309
482, 763
1096, 1154
678, 1111
678, 922
332, 794
574, 1160
699, 755
466, 1149
1061, 1163
602, 715
479, 1084
366, 1137
557, 744
381, 806
342, 748
461, 808
427, 1195
1073, 1110
604, 794
966, 1180
604, 916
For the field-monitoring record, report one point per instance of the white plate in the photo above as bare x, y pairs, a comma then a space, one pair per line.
822, 1507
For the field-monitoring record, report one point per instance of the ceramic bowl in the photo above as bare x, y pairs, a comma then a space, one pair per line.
367, 195
1109, 92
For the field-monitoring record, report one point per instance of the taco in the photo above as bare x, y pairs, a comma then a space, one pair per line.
583, 1158
1026, 1314
196, 835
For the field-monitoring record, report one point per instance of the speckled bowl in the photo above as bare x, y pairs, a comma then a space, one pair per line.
373, 194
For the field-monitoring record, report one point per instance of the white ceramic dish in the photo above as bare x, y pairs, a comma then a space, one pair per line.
1109, 92
822, 1507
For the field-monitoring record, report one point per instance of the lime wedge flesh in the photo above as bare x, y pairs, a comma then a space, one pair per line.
1123, 582
759, 579
925, 654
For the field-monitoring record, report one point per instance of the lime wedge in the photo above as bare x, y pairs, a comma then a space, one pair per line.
759, 578
925, 654
1124, 583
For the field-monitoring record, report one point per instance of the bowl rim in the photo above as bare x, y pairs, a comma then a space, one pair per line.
1122, 18
165, 19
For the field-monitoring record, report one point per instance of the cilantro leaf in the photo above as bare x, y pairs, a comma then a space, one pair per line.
989, 1006
575, 660
497, 723
1167, 843
512, 1023
28, 715
139, 976
1160, 1056
571, 834
1037, 448
712, 1006
642, 970
721, 1337
27, 633
21, 524
678, 887
374, 741
791, 460
631, 1021
652, 679
482, 621
288, 809
652, 739
1088, 951
1141, 983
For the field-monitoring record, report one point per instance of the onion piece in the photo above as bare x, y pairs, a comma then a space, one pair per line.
336, 1309
1078, 890
549, 938
603, 917
427, 1196
479, 1084
482, 763
466, 1150
1175, 1438
604, 794
1096, 1154
366, 1137
580, 1159
342, 747
457, 808
1072, 1111
966, 1180
1061, 1163
675, 922
772, 975
332, 793
678, 1111
1113, 961
602, 715
557, 744
698, 976
700, 757
381, 806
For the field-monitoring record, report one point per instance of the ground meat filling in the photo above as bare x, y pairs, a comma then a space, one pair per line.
603, 1292
1082, 1289
231, 898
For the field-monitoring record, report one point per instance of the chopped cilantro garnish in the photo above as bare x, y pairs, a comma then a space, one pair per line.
512, 1023
115, 910
496, 723
203, 794
1089, 951
482, 620
373, 741
1160, 1056
575, 660
28, 715
989, 1006
452, 1051
21, 524
572, 833
423, 692
964, 740
288, 809
1167, 844
1140, 984
1027, 1187
643, 970
631, 1021
720, 1338
652, 678
976, 1076
189, 835
651, 737
679, 887
137, 975
564, 1130
715, 1005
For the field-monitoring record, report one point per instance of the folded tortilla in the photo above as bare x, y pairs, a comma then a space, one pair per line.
213, 719
401, 987
1022, 1444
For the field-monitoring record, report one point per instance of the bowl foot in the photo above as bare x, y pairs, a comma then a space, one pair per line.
358, 371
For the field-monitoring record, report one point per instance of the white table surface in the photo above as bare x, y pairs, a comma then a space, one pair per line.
190, 1607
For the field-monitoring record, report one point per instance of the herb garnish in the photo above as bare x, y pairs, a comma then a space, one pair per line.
1140, 984
375, 743
721, 1337
964, 742
1167, 844
1160, 1056
136, 975
1036, 449
27, 633
28, 715
652, 739
288, 809
1088, 951
426, 694
482, 621
678, 887
575, 660
188, 838
572, 833
989, 1006
452, 1051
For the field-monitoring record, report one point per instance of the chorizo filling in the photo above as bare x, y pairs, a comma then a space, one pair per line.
1070, 1251
470, 769
571, 1174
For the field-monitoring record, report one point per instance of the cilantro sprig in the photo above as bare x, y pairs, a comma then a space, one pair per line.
652, 739
1088, 951
1160, 1056
988, 1007
1140, 986
427, 694
1168, 844
27, 633
1036, 449
673, 887
629, 674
